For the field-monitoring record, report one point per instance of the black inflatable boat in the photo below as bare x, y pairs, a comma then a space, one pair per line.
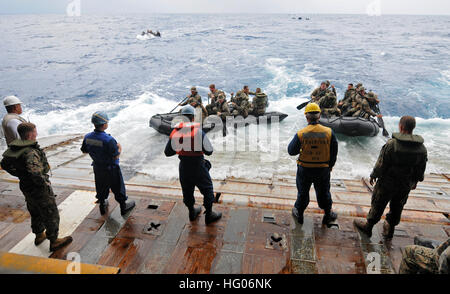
163, 122
351, 126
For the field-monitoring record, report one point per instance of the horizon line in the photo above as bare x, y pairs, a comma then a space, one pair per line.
229, 13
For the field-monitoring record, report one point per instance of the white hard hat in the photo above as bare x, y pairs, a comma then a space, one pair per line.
11, 100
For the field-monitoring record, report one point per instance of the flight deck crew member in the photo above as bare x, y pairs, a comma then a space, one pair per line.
12, 119
190, 143
105, 152
27, 161
400, 166
317, 148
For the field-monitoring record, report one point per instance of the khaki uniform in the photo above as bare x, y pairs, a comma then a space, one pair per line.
242, 106
400, 165
420, 259
27, 161
328, 105
259, 104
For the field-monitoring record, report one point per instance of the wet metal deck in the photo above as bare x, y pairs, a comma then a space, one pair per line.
257, 233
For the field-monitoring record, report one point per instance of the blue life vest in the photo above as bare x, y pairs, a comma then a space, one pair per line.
102, 148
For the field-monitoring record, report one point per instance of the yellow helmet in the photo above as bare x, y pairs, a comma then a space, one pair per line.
312, 107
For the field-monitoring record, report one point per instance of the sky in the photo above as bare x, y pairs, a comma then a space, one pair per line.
422, 7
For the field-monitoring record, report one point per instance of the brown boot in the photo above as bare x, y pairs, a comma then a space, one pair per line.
60, 243
363, 226
40, 238
388, 231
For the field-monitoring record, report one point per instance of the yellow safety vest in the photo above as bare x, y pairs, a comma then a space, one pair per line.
315, 146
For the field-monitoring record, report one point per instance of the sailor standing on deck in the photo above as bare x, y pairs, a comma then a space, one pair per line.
105, 151
12, 119
190, 143
400, 166
27, 161
317, 148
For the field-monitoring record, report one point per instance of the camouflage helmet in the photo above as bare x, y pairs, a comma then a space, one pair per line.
358, 85
362, 89
194, 89
221, 96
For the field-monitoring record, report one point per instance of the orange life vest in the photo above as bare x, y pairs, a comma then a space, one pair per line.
186, 139
315, 146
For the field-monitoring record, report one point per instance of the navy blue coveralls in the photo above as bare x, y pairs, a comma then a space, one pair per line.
102, 148
320, 177
193, 171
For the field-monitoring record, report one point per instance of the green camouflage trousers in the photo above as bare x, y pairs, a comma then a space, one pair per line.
331, 111
384, 193
236, 112
419, 259
44, 213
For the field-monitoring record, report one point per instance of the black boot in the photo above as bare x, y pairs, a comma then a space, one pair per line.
212, 216
364, 226
329, 217
103, 206
194, 212
126, 206
297, 215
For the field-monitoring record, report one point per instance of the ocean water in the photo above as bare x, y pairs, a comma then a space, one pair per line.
65, 68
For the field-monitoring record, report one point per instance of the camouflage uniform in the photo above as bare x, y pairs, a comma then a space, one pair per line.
328, 105
400, 165
420, 259
366, 106
356, 104
27, 161
332, 90
198, 101
213, 96
317, 94
259, 104
242, 106
347, 101
222, 108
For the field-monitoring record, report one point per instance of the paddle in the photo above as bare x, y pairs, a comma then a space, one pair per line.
381, 122
179, 104
299, 107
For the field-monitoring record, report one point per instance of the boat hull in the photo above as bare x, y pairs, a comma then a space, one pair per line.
163, 122
351, 126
